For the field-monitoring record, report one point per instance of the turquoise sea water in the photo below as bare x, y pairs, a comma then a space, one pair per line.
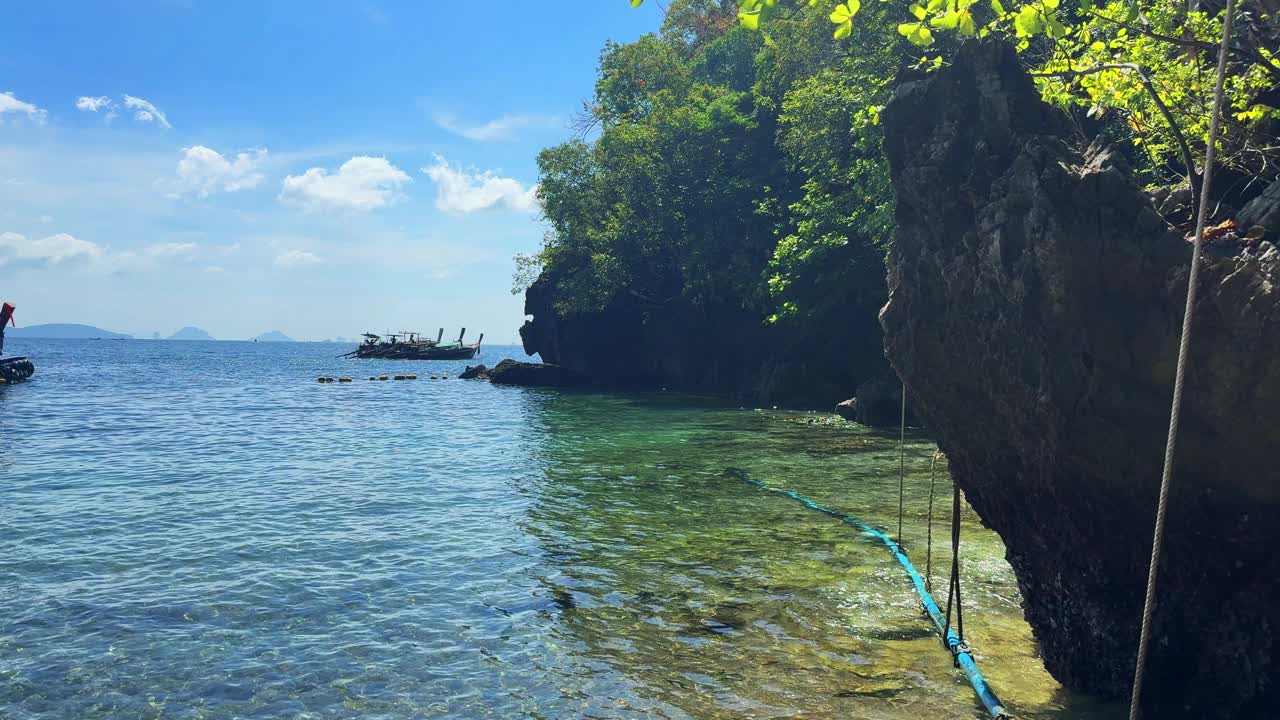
200, 530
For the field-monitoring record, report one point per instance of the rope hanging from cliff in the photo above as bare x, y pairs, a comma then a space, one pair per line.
902, 459
928, 545
953, 585
1175, 413
959, 651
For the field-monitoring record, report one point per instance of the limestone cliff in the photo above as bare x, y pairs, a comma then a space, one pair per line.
714, 350
1035, 303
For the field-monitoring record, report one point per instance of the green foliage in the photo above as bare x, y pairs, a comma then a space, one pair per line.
731, 168
1091, 56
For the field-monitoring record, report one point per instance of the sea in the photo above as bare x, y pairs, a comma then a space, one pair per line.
202, 530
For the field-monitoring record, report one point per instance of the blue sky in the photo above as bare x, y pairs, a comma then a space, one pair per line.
318, 167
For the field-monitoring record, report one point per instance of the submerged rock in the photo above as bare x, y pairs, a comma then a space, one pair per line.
475, 372
1035, 306
848, 409
512, 372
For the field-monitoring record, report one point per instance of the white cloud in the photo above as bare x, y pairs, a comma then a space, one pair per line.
144, 111
462, 191
172, 249
11, 104
502, 128
296, 258
86, 103
362, 183
202, 171
60, 249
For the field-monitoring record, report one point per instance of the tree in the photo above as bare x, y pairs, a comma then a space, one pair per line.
1145, 67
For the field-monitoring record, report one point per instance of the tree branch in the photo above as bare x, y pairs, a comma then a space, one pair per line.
1192, 176
1245, 53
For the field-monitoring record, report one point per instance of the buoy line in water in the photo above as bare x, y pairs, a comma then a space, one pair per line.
959, 650
325, 379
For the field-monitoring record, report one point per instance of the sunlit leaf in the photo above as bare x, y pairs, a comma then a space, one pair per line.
949, 21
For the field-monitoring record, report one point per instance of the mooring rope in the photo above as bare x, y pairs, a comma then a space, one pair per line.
959, 651
1175, 413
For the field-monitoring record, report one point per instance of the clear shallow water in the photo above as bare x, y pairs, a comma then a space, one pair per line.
200, 530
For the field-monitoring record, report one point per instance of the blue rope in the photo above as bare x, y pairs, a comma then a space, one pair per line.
960, 651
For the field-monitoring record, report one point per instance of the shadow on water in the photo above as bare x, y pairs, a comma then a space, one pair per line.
718, 600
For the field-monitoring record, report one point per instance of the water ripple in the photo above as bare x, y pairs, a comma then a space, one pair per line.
200, 530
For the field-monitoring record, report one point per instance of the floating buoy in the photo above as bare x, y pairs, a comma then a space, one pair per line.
344, 379
382, 377
410, 377
373, 377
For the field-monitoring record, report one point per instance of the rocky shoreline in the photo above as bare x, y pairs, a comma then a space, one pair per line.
514, 372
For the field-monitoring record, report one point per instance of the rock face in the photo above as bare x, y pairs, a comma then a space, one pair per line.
512, 372
1264, 211
719, 350
1035, 305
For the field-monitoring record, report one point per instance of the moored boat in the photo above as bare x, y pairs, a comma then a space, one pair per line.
12, 369
407, 345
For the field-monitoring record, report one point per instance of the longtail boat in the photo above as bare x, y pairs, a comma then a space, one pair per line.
12, 369
407, 345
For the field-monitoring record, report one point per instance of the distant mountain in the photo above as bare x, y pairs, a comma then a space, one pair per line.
65, 331
273, 336
191, 333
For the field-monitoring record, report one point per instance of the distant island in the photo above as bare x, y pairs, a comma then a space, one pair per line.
191, 333
66, 331
273, 336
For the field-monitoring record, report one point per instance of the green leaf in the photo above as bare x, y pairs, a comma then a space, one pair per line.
998, 8
916, 33
919, 12
966, 23
1027, 22
845, 11
948, 21
636, 3
844, 29
750, 19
